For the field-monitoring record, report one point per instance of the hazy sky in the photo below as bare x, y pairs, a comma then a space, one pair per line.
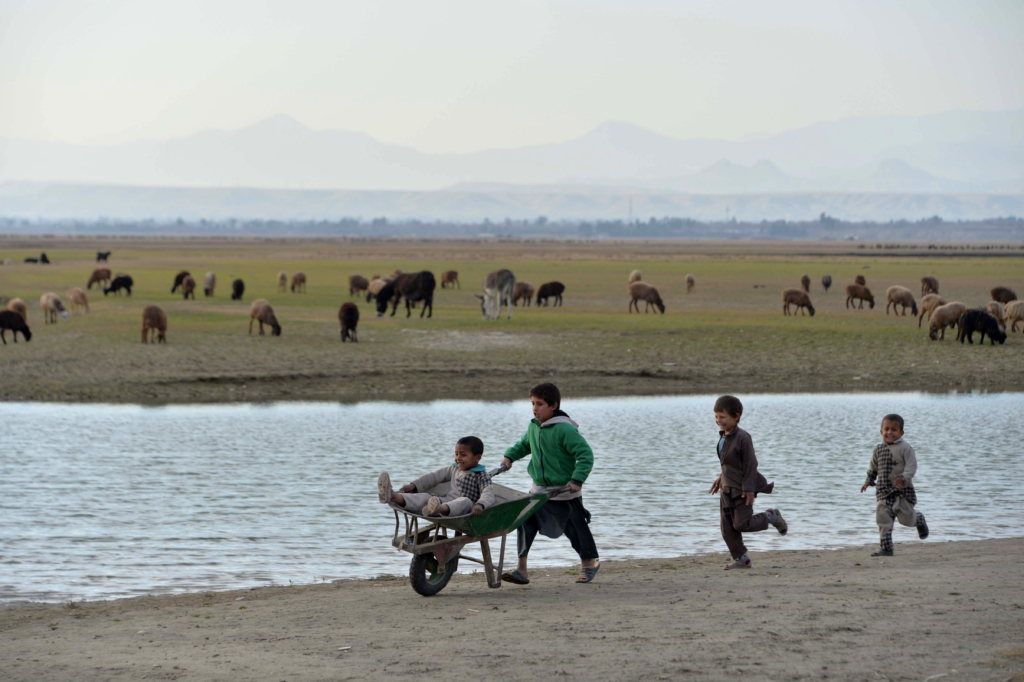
462, 76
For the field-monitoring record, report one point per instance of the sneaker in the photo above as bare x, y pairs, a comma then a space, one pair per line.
431, 507
922, 530
742, 562
882, 552
780, 523
384, 491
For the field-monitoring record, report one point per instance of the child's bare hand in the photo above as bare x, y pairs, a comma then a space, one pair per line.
716, 486
478, 509
748, 498
864, 487
899, 481
407, 488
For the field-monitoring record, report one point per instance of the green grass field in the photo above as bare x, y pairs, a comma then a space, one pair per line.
725, 336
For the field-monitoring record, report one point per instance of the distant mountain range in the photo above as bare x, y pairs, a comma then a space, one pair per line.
950, 152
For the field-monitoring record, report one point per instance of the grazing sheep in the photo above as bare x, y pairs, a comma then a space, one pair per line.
640, 291
99, 276
1004, 295
209, 284
979, 320
798, 298
522, 292
31, 260
900, 296
78, 299
349, 318
859, 279
262, 312
43, 259
550, 290
450, 278
1012, 313
178, 279
188, 287
357, 284
805, 283
944, 316
237, 289
929, 285
102, 256
282, 281
16, 305
995, 308
859, 292
51, 305
120, 282
10, 320
690, 281
299, 282
498, 288
154, 323
928, 304
826, 282
635, 276
374, 288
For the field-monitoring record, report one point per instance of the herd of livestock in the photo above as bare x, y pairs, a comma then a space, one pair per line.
502, 290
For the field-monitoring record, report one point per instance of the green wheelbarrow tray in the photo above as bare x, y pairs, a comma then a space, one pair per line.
436, 542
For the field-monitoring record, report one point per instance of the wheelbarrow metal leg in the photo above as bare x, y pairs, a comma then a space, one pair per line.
493, 579
501, 556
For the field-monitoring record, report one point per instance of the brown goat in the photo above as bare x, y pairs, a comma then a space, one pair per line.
945, 316
348, 315
51, 305
450, 278
639, 291
900, 296
690, 281
861, 292
78, 299
523, 291
805, 284
262, 312
154, 323
798, 298
299, 282
188, 287
929, 302
99, 276
929, 285
859, 279
357, 284
16, 305
1004, 295
282, 281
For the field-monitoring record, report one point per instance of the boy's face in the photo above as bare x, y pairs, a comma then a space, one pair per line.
464, 457
541, 410
726, 421
891, 432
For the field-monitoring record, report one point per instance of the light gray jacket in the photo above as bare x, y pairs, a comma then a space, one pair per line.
904, 463
453, 474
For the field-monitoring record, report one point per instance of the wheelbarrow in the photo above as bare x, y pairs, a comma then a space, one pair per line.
436, 542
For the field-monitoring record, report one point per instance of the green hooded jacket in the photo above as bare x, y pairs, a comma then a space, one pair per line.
559, 453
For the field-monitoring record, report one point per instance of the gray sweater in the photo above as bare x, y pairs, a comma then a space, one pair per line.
461, 482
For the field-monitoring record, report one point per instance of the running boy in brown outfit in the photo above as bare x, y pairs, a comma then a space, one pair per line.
739, 483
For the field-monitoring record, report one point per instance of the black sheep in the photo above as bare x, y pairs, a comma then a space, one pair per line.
102, 256
178, 279
550, 290
120, 282
349, 318
14, 322
414, 286
978, 320
43, 258
237, 289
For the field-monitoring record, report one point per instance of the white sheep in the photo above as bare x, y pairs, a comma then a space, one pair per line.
900, 296
1013, 313
929, 302
945, 316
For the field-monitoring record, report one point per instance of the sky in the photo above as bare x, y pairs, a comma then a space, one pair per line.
452, 76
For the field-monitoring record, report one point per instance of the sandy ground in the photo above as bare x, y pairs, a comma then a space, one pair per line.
943, 611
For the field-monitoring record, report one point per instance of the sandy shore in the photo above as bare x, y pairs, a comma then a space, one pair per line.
942, 611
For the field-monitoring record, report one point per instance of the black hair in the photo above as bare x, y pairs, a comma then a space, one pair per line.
730, 404
475, 445
893, 418
547, 392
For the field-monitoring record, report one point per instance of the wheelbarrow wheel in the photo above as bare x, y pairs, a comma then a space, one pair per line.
424, 575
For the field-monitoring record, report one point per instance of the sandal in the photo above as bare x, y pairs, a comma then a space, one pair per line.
588, 574
515, 577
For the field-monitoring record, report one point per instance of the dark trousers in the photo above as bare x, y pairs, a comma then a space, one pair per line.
738, 518
555, 519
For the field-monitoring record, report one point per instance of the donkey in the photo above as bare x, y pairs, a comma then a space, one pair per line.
415, 286
498, 288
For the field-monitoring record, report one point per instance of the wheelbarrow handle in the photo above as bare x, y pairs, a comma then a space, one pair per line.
499, 470
551, 493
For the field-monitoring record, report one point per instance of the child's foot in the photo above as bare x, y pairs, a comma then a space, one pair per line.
922, 529
775, 518
432, 506
742, 562
384, 491
883, 552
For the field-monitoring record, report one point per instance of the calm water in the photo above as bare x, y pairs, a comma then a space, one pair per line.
104, 501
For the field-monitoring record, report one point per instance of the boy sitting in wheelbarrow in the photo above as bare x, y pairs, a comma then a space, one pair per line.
470, 492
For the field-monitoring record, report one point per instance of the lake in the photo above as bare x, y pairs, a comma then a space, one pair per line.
101, 501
